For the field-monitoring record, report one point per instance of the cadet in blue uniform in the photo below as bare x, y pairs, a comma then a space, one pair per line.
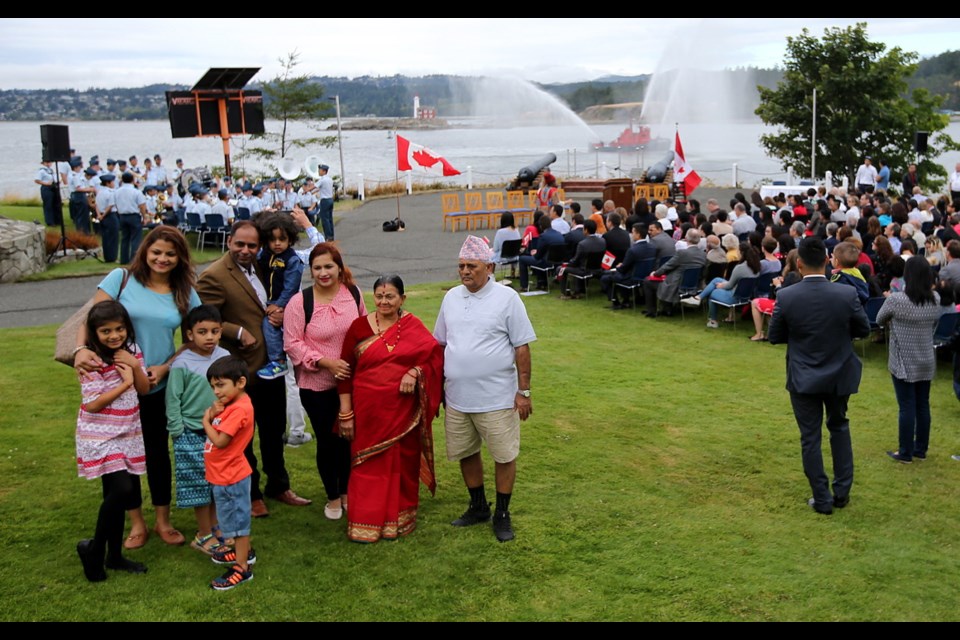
48, 194
79, 188
107, 215
325, 194
132, 207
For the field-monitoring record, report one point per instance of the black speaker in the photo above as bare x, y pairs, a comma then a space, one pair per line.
55, 139
242, 118
920, 141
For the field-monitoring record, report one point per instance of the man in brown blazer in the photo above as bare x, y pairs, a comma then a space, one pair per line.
233, 285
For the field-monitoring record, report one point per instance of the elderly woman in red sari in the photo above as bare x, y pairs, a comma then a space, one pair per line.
386, 411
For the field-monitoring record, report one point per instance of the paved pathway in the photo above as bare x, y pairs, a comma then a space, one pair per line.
421, 254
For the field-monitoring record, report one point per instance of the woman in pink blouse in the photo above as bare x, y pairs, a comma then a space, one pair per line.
314, 327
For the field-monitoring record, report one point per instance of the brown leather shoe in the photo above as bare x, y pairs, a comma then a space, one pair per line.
288, 497
170, 536
258, 509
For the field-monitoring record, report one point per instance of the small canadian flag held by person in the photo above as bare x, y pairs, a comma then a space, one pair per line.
413, 157
683, 172
608, 261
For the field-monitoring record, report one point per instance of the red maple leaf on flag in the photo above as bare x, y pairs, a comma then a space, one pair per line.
424, 159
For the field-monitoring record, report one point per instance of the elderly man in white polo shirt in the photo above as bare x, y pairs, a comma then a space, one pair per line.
486, 334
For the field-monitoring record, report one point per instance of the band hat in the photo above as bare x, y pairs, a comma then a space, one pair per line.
107, 178
476, 249
90, 172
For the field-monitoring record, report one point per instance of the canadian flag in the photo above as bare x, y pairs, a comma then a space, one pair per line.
413, 157
683, 172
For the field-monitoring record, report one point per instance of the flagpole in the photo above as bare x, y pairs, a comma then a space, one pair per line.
396, 139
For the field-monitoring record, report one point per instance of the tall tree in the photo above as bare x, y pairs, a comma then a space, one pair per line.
863, 107
290, 98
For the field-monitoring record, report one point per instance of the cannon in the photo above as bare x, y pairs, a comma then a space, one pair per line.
527, 176
658, 172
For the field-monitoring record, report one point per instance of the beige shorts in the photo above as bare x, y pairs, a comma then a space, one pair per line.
499, 429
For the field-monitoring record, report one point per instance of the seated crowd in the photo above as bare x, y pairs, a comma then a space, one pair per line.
665, 254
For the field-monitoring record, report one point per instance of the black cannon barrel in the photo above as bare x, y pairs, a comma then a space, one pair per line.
530, 172
658, 171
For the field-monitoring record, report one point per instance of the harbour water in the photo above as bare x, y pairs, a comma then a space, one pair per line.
494, 153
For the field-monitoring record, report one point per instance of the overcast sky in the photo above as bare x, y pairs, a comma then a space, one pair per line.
79, 53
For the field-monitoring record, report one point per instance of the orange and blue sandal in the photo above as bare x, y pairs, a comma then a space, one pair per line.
229, 556
231, 579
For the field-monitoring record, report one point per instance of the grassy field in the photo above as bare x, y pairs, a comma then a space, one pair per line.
659, 479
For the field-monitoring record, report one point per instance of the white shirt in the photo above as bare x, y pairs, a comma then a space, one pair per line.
325, 187
481, 333
955, 181
867, 175
561, 225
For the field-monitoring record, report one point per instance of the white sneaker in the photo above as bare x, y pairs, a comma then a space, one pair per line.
332, 514
713, 324
691, 302
295, 441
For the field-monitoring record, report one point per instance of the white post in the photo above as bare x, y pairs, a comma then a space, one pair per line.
828, 179
736, 178
409, 180
575, 162
845, 183
813, 140
603, 170
791, 179
361, 192
469, 177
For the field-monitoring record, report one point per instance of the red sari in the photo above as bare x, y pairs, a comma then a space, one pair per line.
392, 450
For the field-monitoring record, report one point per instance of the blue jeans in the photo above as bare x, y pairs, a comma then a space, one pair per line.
914, 401
273, 340
712, 293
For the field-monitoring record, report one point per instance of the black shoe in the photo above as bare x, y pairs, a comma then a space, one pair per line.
122, 564
650, 314
920, 456
615, 305
472, 516
840, 503
92, 568
502, 527
895, 455
813, 505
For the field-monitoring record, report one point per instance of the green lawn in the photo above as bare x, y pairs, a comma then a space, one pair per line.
660, 479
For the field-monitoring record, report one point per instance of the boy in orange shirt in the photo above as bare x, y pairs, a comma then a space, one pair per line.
229, 428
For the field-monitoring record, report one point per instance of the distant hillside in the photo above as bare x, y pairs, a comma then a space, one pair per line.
941, 75
392, 96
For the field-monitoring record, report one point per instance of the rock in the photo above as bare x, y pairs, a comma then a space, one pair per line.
22, 249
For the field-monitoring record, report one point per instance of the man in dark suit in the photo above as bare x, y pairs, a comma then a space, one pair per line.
641, 250
232, 285
591, 245
548, 238
818, 320
617, 239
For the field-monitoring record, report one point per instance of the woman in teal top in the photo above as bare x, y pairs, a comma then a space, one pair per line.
158, 293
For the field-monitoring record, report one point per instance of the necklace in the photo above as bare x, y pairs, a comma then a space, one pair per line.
390, 348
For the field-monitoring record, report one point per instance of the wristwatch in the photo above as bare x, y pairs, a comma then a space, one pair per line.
525, 394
